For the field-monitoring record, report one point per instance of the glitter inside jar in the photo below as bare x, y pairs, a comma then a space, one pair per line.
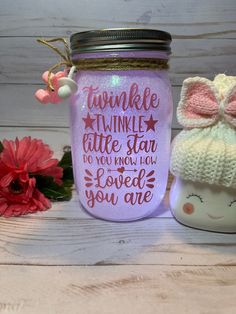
121, 121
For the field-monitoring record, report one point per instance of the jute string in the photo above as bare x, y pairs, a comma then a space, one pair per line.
99, 64
106, 64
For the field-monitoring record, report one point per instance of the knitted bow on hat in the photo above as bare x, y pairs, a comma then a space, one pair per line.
201, 104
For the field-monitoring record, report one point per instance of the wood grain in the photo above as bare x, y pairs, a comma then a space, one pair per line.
23, 60
188, 19
117, 290
38, 239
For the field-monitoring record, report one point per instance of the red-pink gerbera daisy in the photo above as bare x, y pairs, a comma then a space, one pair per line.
20, 161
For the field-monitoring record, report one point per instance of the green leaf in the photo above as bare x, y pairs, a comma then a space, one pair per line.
52, 190
66, 160
68, 174
57, 193
1, 147
66, 164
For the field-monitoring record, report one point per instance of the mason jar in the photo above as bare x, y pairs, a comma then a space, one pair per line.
121, 121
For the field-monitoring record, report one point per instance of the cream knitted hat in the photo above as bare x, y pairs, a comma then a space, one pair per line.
205, 151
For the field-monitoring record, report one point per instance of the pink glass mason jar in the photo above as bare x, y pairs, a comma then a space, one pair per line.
121, 121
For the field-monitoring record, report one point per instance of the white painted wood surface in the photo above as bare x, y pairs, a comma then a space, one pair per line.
117, 289
69, 260
23, 59
65, 261
188, 18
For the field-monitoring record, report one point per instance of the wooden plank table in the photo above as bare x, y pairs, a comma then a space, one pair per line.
65, 261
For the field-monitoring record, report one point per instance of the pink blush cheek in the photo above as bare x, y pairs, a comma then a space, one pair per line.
188, 208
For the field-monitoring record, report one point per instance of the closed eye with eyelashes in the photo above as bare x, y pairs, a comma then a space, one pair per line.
196, 196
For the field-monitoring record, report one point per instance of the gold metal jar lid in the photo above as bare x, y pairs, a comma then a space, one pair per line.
120, 39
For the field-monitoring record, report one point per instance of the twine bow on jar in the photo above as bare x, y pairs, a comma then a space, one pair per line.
65, 56
61, 85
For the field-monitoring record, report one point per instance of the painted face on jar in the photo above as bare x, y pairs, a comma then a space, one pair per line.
204, 206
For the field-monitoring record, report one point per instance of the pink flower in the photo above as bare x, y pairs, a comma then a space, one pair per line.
20, 161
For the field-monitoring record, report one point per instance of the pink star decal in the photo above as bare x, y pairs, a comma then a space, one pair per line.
150, 123
88, 121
